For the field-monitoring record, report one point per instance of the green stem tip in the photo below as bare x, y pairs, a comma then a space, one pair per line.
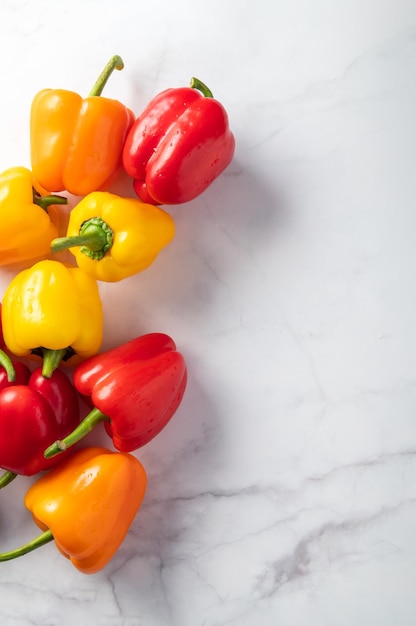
6, 478
198, 84
94, 417
6, 362
95, 239
46, 201
115, 63
40, 541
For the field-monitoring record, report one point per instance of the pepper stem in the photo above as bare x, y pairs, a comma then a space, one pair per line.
115, 63
6, 478
89, 422
6, 362
46, 201
40, 541
198, 84
51, 360
95, 238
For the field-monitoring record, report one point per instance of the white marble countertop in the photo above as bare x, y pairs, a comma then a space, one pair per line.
284, 490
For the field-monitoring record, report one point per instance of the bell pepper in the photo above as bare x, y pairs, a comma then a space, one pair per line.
86, 505
76, 144
179, 145
52, 311
34, 411
114, 237
135, 389
29, 221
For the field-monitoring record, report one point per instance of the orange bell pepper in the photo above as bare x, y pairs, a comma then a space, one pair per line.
76, 144
86, 505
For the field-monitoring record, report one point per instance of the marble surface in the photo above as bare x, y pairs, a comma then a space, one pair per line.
284, 490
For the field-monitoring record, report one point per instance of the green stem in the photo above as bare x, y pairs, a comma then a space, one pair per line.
6, 362
198, 84
51, 360
40, 541
46, 201
115, 63
95, 239
89, 422
7, 478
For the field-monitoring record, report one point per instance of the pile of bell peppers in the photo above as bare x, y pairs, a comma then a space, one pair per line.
85, 497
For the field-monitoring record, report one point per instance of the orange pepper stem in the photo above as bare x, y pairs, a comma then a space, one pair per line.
94, 417
95, 238
6, 362
198, 84
40, 541
115, 63
46, 201
6, 478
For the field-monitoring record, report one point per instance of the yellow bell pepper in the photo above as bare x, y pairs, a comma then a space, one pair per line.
115, 237
29, 221
53, 311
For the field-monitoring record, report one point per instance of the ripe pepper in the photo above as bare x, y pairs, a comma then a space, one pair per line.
12, 372
53, 311
87, 505
76, 144
115, 237
29, 221
135, 388
34, 411
179, 145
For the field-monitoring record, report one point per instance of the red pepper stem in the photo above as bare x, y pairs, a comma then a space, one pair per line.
198, 84
7, 478
89, 422
115, 63
51, 360
6, 362
95, 239
40, 541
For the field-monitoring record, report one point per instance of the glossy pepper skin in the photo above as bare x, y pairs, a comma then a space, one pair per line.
12, 372
178, 146
135, 388
76, 144
32, 415
87, 505
113, 237
28, 221
53, 310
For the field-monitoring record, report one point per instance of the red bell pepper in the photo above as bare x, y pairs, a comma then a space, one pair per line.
135, 389
179, 145
32, 416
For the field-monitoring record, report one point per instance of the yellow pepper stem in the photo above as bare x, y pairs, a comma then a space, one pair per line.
6, 362
94, 417
40, 541
46, 201
115, 63
6, 478
95, 238
51, 360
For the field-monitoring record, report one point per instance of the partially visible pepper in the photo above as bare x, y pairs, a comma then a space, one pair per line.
179, 145
29, 221
76, 144
135, 388
53, 311
86, 505
33, 412
114, 237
